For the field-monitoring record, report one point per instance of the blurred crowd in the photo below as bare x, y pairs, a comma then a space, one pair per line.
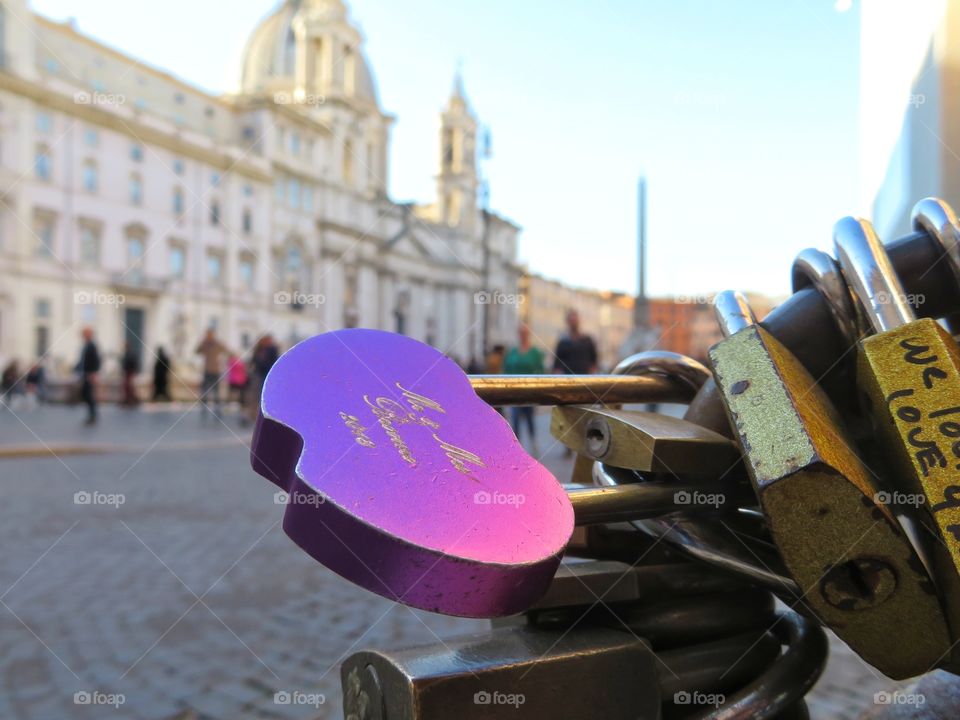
233, 378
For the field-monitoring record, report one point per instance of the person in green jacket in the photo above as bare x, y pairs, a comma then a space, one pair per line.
524, 359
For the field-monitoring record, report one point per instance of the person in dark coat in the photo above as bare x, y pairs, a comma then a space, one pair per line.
265, 354
576, 353
130, 364
161, 375
88, 367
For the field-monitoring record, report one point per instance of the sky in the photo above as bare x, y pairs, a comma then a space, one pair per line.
742, 115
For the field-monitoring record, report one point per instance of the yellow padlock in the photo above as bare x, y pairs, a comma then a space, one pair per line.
909, 378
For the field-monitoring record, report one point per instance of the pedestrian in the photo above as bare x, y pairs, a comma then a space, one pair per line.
161, 375
265, 354
576, 353
130, 364
494, 360
237, 378
88, 366
212, 351
524, 359
10, 384
37, 382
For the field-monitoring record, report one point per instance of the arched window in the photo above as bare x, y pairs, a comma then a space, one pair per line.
290, 53
178, 201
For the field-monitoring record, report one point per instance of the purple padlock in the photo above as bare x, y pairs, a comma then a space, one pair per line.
403, 481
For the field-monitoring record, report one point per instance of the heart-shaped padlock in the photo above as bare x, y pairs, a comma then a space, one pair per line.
399, 478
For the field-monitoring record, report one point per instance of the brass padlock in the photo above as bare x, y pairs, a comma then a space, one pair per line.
856, 568
909, 377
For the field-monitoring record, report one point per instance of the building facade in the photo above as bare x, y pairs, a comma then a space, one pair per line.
149, 210
909, 109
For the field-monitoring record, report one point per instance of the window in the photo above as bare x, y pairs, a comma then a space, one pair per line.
349, 71
179, 98
89, 245
136, 189
295, 143
91, 137
178, 261
279, 188
215, 179
247, 221
91, 176
178, 166
308, 198
44, 122
41, 309
215, 213
293, 193
43, 163
215, 268
246, 272
136, 153
44, 227
135, 252
178, 201
348, 163
248, 190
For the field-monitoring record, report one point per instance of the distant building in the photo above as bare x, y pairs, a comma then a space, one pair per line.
910, 110
688, 325
150, 210
604, 315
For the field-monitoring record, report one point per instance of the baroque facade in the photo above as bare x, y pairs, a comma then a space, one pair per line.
150, 210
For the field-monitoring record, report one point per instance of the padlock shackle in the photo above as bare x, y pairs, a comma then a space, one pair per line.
870, 274
733, 312
500, 390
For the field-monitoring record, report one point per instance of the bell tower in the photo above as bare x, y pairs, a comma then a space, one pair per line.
457, 180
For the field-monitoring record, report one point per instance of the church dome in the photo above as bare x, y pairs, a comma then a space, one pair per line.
270, 60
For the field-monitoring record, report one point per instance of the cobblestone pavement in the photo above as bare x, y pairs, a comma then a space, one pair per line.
169, 580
